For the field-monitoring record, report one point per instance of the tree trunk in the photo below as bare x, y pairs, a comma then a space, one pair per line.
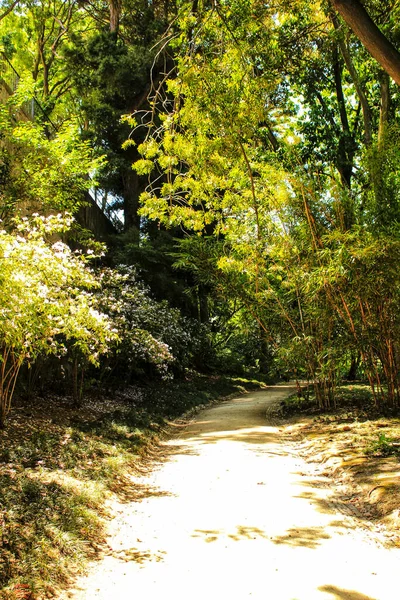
384, 109
265, 357
355, 363
381, 190
130, 182
115, 7
3, 414
76, 396
370, 35
366, 111
346, 146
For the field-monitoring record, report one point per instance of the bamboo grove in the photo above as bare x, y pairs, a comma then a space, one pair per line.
274, 144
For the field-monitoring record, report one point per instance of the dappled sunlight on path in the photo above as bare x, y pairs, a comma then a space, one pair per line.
233, 512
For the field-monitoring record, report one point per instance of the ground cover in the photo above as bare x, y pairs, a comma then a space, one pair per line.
357, 448
59, 465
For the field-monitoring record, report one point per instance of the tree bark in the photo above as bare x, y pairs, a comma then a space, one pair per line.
75, 385
344, 49
115, 7
3, 414
131, 194
346, 146
370, 35
354, 365
384, 108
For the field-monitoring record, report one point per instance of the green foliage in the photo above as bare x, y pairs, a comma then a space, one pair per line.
274, 147
151, 334
269, 142
110, 75
382, 202
41, 173
383, 446
46, 303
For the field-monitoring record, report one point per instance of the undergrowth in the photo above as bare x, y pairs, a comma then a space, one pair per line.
355, 398
56, 474
384, 445
354, 404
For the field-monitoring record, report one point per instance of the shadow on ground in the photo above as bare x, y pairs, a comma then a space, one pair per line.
249, 423
340, 594
242, 533
305, 537
127, 491
138, 556
254, 435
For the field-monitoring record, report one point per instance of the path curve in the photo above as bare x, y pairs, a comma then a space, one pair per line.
235, 513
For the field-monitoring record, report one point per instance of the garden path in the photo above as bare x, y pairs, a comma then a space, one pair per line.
232, 511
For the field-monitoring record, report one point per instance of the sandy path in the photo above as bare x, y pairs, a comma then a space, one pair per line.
235, 513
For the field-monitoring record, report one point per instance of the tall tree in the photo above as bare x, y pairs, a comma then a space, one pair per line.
112, 76
356, 16
290, 226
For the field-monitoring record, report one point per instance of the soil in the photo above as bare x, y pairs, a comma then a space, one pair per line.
240, 504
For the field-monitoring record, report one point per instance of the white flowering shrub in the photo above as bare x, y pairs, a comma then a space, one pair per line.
152, 334
47, 304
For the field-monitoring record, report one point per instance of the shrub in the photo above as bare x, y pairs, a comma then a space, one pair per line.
46, 303
153, 337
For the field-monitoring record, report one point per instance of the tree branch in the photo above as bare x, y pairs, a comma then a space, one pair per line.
370, 35
356, 80
8, 10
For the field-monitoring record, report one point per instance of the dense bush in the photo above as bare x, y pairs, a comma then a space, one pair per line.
154, 339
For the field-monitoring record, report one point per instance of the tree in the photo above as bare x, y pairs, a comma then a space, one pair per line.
264, 130
266, 113
355, 15
111, 75
7, 9
35, 37
42, 174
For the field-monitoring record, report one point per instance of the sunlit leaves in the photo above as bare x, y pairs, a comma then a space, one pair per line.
45, 172
46, 304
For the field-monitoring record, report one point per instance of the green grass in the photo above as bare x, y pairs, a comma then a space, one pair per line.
384, 445
54, 479
52, 491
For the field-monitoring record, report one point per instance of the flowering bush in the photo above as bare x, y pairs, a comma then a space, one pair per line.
151, 334
46, 302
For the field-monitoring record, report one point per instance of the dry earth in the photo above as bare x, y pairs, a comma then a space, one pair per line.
232, 509
362, 485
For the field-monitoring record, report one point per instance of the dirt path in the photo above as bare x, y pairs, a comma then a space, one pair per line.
235, 513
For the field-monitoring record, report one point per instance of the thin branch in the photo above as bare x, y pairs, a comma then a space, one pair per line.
9, 10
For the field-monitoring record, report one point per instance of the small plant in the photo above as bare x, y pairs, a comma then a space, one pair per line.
31, 490
383, 446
